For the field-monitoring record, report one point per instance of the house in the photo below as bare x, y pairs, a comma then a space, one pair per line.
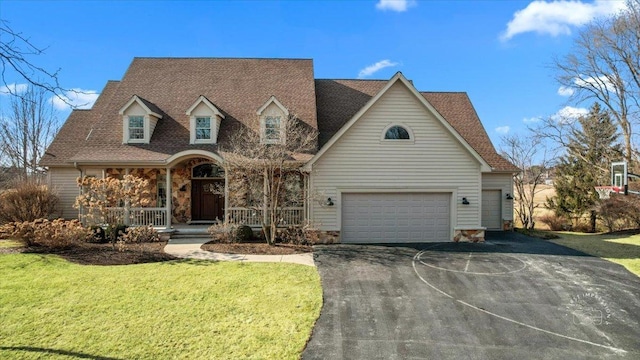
392, 164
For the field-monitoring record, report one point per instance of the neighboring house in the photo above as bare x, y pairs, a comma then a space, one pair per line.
392, 165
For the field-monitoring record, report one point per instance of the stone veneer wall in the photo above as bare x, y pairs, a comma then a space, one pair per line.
474, 235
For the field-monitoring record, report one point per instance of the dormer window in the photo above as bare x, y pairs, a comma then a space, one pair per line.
139, 120
136, 127
272, 129
204, 121
203, 128
273, 116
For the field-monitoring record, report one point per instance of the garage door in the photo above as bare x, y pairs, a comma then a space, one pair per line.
395, 217
491, 209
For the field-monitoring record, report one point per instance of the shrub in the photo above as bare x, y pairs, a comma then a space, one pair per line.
141, 234
244, 233
612, 212
555, 222
226, 232
305, 235
27, 202
58, 233
115, 232
99, 235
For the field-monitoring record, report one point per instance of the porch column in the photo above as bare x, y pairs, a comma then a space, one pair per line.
226, 195
126, 219
169, 197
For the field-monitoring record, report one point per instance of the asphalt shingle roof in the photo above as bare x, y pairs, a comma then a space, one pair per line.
238, 87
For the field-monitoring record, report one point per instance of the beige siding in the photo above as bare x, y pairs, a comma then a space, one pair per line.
63, 182
433, 162
503, 182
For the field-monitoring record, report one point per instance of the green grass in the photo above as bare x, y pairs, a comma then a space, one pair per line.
620, 249
181, 309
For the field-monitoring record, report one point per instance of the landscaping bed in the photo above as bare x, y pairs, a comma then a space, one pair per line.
256, 248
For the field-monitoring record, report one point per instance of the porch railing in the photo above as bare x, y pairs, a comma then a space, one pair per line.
156, 217
252, 217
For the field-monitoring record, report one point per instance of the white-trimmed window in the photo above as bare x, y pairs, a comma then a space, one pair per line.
204, 121
203, 128
397, 133
136, 127
272, 129
273, 116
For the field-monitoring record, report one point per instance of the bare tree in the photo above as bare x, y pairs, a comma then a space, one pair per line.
530, 155
604, 65
27, 130
16, 51
265, 169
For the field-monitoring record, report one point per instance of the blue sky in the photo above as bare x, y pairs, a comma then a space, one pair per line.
499, 52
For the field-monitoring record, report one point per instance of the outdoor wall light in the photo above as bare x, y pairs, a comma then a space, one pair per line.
509, 197
465, 201
329, 202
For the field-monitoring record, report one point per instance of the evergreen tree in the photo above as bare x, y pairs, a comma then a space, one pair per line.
593, 144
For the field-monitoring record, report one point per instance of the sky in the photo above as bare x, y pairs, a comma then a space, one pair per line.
499, 52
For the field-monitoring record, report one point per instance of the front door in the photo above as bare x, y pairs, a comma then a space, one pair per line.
206, 201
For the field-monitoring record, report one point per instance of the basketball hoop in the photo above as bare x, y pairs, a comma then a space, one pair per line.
605, 191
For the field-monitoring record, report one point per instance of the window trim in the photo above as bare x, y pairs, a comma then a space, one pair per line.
410, 140
196, 128
129, 128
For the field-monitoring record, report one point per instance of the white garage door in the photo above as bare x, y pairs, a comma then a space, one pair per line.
395, 217
491, 209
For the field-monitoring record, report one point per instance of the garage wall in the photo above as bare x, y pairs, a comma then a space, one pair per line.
63, 182
504, 183
434, 162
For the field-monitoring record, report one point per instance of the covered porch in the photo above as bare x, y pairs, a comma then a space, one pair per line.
194, 189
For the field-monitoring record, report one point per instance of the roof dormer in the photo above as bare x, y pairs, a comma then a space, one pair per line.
273, 121
204, 121
139, 119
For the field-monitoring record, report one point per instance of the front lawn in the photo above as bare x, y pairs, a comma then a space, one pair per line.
52, 308
618, 248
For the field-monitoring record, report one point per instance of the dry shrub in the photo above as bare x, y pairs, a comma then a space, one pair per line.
58, 233
305, 235
226, 232
28, 201
620, 212
137, 236
555, 222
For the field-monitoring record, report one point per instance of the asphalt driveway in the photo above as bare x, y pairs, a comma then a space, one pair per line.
512, 297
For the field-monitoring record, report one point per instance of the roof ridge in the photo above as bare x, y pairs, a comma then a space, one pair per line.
352, 79
214, 57
443, 92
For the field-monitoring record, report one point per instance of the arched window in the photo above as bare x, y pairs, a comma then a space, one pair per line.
207, 171
397, 132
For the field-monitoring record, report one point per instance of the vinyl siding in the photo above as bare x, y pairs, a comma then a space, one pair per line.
360, 161
503, 182
63, 182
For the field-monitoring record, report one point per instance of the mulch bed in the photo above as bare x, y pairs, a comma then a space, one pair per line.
104, 254
255, 248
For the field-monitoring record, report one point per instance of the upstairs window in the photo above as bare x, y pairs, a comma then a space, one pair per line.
272, 127
136, 127
397, 133
203, 128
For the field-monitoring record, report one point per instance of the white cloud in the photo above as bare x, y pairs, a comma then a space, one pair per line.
565, 91
558, 17
395, 5
371, 69
531, 120
600, 82
13, 89
503, 129
77, 98
569, 114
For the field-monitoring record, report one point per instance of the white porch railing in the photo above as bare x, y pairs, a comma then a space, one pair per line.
252, 217
156, 217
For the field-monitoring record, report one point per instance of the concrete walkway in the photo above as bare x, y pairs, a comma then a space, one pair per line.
190, 249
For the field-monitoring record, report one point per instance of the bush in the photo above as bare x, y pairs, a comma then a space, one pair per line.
99, 235
305, 235
555, 222
141, 234
244, 233
226, 232
27, 202
58, 233
115, 232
